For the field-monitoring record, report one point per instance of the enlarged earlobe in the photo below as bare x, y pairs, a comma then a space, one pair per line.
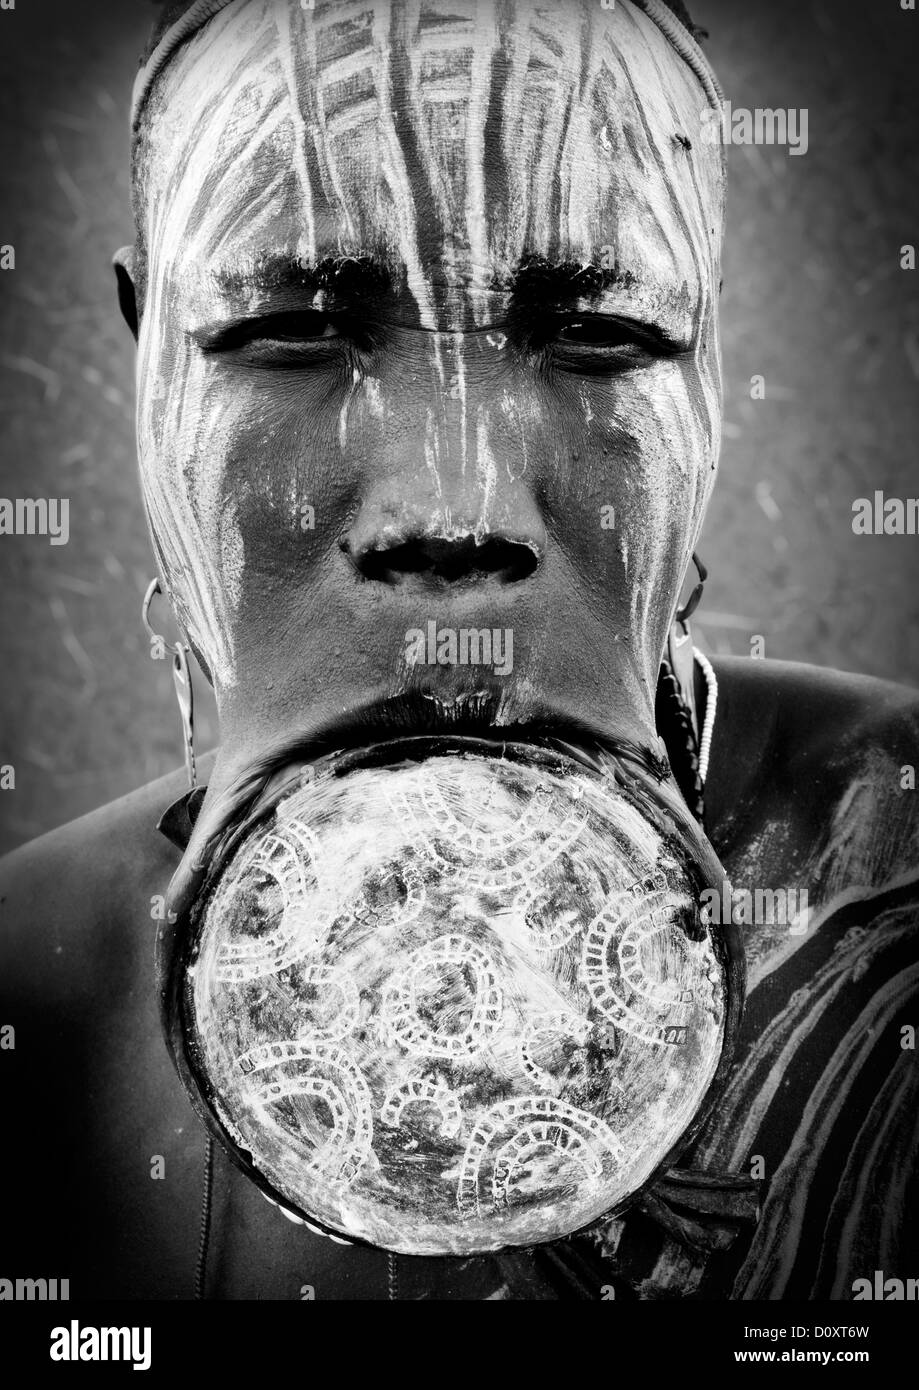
123, 261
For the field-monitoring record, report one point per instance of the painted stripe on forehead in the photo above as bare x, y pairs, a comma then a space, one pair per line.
195, 169
534, 101
204, 11
299, 141
658, 159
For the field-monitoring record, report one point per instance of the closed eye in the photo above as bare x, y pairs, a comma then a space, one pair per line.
293, 338
599, 332
601, 343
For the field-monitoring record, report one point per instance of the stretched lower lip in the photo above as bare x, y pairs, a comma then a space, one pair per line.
482, 713
557, 748
418, 747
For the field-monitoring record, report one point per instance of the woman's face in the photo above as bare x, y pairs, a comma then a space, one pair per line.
430, 336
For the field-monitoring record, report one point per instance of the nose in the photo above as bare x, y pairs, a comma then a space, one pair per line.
451, 504
438, 561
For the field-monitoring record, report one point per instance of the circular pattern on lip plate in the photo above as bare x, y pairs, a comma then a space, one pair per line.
458, 1004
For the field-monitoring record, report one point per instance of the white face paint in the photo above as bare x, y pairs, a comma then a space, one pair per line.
451, 142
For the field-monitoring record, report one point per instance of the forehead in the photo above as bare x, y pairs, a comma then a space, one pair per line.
450, 139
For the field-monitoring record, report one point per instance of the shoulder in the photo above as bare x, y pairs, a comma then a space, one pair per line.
90, 1086
806, 709
66, 897
819, 822
828, 755
788, 719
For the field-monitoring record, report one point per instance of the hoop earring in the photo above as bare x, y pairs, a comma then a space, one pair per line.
181, 679
695, 598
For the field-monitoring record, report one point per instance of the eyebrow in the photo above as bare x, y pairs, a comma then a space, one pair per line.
536, 279
357, 281
347, 277
540, 281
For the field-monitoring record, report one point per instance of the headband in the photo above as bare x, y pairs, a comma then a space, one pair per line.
203, 10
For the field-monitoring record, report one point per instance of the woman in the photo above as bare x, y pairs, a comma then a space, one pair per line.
426, 308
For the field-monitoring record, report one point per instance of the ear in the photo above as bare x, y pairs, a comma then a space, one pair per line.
123, 262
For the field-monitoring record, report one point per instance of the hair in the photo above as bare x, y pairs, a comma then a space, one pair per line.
169, 12
173, 10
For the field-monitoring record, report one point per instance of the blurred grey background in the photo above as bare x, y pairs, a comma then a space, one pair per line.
814, 301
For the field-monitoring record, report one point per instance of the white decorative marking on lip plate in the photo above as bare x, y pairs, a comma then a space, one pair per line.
456, 1005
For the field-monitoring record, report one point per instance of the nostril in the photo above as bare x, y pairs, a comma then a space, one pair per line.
443, 561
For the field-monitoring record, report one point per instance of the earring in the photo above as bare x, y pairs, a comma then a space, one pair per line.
675, 704
181, 679
692, 603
